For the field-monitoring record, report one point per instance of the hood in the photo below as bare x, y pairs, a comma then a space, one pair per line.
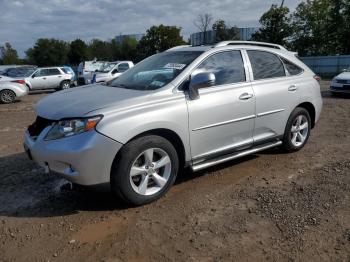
344, 75
79, 101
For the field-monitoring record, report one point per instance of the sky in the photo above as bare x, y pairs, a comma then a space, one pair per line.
22, 22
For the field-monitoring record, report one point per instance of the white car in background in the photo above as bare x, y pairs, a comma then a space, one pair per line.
112, 70
10, 90
49, 78
341, 83
86, 70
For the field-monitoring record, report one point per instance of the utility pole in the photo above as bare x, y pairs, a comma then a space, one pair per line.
282, 3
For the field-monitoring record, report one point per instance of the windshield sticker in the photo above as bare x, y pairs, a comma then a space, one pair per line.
175, 66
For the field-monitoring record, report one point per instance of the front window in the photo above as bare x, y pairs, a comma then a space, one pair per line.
156, 71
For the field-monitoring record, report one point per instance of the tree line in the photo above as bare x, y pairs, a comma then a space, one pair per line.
316, 27
50, 52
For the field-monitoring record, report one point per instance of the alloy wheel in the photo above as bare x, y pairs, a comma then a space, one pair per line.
7, 96
150, 171
299, 130
65, 86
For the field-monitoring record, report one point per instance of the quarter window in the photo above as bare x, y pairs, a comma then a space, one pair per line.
291, 68
228, 67
265, 65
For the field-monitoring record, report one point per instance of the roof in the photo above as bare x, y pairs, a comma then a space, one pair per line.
239, 44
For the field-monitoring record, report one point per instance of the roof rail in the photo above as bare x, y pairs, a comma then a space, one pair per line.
178, 47
262, 44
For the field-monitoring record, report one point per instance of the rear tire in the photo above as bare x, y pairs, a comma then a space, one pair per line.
144, 170
7, 96
65, 85
297, 130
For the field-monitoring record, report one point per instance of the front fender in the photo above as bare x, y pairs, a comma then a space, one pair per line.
170, 114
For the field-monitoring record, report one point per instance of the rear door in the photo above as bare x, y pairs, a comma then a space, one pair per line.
54, 78
222, 118
276, 91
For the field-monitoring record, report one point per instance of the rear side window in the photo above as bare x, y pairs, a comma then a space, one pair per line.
53, 71
265, 65
227, 67
291, 68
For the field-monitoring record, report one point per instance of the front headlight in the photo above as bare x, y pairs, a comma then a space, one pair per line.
71, 127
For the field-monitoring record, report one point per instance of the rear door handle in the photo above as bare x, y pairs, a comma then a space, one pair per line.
292, 88
245, 96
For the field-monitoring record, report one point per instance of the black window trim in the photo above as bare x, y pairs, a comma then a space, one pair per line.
270, 78
246, 70
285, 68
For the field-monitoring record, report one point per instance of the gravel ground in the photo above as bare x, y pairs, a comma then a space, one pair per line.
269, 206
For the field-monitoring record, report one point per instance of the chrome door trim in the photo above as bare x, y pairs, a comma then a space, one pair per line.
225, 122
270, 112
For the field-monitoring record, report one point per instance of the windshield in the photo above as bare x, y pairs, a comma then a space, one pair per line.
105, 68
156, 71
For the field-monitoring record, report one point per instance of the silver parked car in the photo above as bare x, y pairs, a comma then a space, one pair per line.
49, 78
11, 90
188, 106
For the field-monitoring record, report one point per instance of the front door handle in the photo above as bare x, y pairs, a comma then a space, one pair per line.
292, 88
44, 78
245, 96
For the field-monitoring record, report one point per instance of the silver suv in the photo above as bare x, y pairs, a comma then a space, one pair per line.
49, 78
188, 106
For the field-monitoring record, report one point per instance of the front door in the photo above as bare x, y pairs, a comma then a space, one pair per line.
39, 79
222, 118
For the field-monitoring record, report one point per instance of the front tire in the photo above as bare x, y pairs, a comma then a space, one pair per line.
297, 130
7, 96
144, 170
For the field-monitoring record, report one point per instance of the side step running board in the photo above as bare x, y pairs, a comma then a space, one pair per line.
225, 158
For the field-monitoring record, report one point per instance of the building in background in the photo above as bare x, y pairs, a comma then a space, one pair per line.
209, 37
120, 38
246, 33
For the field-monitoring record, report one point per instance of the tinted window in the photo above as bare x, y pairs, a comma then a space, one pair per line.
228, 67
265, 65
53, 71
42, 72
123, 67
291, 68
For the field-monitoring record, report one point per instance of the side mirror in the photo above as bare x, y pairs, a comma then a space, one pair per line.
115, 71
33, 75
200, 80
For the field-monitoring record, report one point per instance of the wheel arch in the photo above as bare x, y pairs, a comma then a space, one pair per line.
171, 136
312, 111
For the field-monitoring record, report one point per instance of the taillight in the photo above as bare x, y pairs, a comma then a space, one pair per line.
22, 82
317, 78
